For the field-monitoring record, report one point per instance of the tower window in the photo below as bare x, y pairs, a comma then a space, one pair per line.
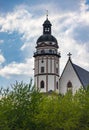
42, 84
42, 51
46, 29
57, 70
42, 61
57, 85
50, 51
69, 86
42, 69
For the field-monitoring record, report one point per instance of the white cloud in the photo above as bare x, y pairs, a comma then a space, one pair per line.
2, 59
22, 21
1, 41
14, 68
80, 53
68, 28
65, 24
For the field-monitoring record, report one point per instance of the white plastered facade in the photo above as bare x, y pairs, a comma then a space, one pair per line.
69, 75
49, 76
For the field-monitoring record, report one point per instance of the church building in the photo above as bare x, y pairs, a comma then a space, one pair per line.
47, 66
73, 77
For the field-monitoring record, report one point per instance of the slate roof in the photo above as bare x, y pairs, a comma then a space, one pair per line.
46, 38
82, 74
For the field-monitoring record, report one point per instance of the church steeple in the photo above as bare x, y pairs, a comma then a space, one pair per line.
46, 72
47, 26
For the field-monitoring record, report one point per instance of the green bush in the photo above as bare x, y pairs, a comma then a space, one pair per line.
24, 108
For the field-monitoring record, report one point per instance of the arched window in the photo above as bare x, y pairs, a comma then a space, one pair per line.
42, 84
69, 86
57, 85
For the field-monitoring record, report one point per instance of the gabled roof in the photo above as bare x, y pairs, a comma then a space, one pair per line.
82, 74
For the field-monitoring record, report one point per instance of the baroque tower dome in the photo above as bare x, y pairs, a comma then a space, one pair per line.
47, 38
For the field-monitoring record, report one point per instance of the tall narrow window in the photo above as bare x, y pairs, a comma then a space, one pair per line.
42, 61
50, 51
57, 85
57, 70
42, 69
69, 86
42, 84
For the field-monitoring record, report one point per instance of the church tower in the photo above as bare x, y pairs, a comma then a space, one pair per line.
46, 60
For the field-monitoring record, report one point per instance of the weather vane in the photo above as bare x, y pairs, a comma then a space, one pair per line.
46, 14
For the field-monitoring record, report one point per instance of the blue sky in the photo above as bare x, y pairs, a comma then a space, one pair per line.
21, 24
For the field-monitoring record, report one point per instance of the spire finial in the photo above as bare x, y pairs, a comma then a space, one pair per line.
46, 14
69, 54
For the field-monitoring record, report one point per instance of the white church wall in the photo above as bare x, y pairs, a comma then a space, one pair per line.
57, 80
51, 82
49, 65
52, 66
36, 66
69, 75
59, 71
42, 65
35, 81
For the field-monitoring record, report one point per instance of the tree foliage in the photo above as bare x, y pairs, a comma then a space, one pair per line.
24, 108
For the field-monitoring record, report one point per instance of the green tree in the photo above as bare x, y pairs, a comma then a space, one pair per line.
82, 96
24, 108
18, 107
